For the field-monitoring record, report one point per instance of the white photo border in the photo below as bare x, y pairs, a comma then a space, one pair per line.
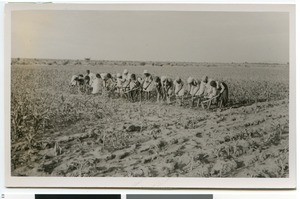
157, 182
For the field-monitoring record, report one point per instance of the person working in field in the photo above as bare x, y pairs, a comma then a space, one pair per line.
110, 83
114, 77
73, 81
167, 88
147, 87
119, 84
140, 79
125, 80
114, 82
197, 89
158, 88
134, 88
86, 87
126, 84
97, 84
92, 76
125, 74
222, 97
208, 87
217, 93
103, 77
179, 90
77, 80
107, 80
193, 87
201, 92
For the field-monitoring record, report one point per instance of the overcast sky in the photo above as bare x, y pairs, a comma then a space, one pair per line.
151, 36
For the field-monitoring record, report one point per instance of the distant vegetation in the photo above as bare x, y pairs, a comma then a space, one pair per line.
63, 62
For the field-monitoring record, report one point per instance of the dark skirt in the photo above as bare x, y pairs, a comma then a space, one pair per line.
223, 98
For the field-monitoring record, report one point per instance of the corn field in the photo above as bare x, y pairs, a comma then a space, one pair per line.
56, 131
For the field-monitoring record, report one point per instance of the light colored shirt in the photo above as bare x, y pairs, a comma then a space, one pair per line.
92, 78
73, 81
125, 77
96, 86
103, 75
179, 88
194, 87
202, 88
119, 82
147, 83
128, 76
212, 92
126, 80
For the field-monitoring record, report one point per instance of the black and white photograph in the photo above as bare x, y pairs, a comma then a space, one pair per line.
150, 93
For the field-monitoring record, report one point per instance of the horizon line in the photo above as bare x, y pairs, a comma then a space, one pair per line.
90, 59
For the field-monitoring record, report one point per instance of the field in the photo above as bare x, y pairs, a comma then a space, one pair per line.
58, 132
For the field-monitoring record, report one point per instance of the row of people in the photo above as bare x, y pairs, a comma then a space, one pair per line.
127, 84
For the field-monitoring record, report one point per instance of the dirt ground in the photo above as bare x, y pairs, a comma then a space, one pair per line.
151, 140
92, 136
